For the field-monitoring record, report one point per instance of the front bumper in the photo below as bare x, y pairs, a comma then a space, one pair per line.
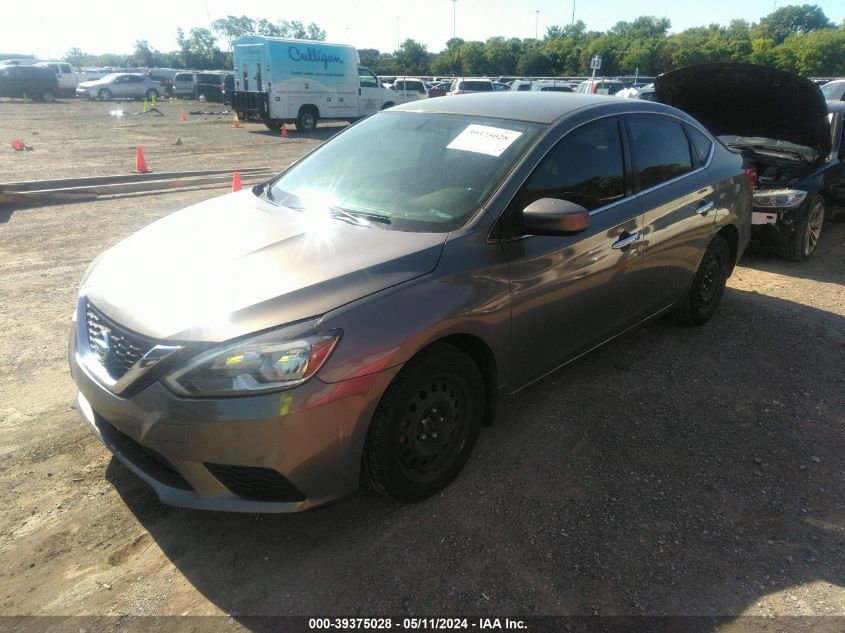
281, 452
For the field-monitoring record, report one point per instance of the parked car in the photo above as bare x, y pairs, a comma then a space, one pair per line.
211, 86
66, 76
834, 90
462, 86
498, 86
520, 85
409, 89
550, 86
504, 238
780, 122
435, 91
183, 85
121, 85
34, 82
165, 77
600, 86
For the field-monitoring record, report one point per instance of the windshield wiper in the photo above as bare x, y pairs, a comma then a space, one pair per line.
267, 193
354, 217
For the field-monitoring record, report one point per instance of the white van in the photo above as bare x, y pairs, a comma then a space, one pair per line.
68, 79
301, 81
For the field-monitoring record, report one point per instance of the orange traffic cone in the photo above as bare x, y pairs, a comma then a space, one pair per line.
140, 163
184, 116
284, 131
236, 182
236, 122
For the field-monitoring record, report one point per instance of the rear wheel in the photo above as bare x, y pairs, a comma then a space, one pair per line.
806, 237
704, 295
307, 119
273, 124
425, 426
48, 97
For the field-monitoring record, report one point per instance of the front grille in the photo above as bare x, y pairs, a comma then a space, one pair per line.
262, 484
145, 458
125, 348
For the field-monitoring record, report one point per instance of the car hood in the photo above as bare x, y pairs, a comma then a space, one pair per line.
750, 100
237, 264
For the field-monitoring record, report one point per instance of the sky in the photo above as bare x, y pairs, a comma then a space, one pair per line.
99, 26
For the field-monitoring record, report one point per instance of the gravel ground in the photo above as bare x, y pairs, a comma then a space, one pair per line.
680, 471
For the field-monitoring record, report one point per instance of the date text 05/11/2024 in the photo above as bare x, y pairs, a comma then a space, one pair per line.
414, 624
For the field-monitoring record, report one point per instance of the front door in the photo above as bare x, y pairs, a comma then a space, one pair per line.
369, 92
572, 292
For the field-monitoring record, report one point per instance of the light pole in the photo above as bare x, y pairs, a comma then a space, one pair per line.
573, 12
537, 24
454, 32
397, 33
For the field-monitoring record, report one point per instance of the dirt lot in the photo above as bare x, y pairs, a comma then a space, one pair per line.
675, 471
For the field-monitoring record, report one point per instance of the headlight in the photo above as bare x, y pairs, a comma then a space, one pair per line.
780, 199
276, 360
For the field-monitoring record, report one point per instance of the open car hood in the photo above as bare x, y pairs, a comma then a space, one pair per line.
750, 100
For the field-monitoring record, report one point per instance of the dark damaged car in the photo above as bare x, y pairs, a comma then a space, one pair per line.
781, 124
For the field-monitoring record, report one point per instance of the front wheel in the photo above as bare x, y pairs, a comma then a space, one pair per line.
152, 93
307, 119
425, 426
704, 295
48, 97
104, 94
805, 239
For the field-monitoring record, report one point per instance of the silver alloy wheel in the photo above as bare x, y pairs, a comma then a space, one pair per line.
814, 228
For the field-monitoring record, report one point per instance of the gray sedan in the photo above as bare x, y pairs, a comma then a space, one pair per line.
120, 85
360, 318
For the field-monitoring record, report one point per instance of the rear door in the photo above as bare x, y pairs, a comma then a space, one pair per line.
678, 199
569, 293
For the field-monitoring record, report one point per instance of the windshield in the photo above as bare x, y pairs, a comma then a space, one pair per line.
762, 144
415, 171
831, 90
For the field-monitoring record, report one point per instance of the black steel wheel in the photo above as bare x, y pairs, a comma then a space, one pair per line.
703, 296
425, 425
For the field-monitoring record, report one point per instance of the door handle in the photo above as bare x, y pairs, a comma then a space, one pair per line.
704, 209
625, 242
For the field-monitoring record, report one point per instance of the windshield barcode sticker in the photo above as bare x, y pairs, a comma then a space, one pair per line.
483, 139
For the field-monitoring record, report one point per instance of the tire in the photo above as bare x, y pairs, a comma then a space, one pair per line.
48, 96
387, 105
410, 454
273, 124
307, 119
705, 293
152, 92
104, 94
803, 242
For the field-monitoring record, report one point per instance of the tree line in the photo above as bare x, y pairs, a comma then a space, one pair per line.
797, 38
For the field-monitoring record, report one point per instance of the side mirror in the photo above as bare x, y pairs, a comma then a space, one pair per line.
552, 216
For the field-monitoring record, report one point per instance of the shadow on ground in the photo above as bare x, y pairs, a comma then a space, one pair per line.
675, 471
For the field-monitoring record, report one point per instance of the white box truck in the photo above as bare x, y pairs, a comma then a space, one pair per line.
302, 81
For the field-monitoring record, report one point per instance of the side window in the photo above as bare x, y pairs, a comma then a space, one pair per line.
700, 143
368, 79
660, 150
66, 68
399, 85
585, 167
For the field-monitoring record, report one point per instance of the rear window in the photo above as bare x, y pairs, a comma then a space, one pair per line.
476, 85
700, 144
660, 148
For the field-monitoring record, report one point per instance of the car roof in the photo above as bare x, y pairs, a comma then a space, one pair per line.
535, 107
